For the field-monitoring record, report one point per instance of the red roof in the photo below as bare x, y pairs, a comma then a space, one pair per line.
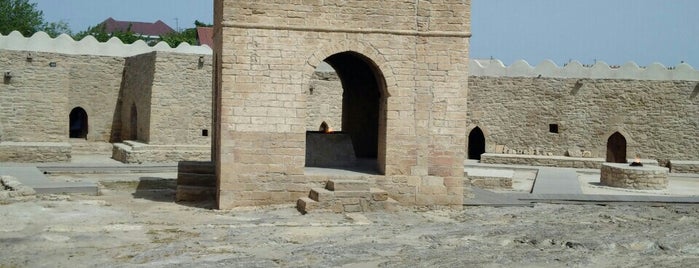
144, 28
206, 36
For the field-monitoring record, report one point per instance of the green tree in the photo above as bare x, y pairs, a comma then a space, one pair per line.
99, 32
187, 35
54, 29
20, 15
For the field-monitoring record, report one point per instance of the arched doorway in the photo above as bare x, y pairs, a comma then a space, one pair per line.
476, 144
133, 123
616, 148
363, 111
77, 123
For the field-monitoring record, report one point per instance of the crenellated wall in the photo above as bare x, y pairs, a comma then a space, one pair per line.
574, 69
169, 87
655, 108
64, 44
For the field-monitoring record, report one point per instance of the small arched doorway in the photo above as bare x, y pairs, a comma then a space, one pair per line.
133, 123
616, 148
77, 123
476, 144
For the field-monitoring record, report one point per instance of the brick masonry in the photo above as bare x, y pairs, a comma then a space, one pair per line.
640, 178
267, 52
653, 116
171, 91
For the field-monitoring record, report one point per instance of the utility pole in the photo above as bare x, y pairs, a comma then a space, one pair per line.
177, 24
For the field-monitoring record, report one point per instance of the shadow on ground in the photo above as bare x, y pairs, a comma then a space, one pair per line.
155, 189
165, 190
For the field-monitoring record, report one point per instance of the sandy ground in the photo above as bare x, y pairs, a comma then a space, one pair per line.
134, 222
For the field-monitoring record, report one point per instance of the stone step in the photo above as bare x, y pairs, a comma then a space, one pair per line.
193, 179
347, 185
196, 167
83, 147
378, 194
306, 204
492, 183
195, 193
321, 195
352, 194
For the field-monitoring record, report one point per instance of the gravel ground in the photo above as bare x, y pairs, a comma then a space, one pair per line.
138, 224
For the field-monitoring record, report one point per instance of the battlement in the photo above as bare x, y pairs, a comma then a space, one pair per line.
575, 69
64, 44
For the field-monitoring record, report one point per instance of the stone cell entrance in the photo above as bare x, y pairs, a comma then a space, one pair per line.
476, 144
78, 123
616, 148
403, 67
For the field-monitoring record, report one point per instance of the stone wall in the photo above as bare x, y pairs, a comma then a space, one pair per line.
94, 86
516, 108
181, 99
34, 102
324, 103
166, 105
417, 52
41, 152
52, 76
135, 97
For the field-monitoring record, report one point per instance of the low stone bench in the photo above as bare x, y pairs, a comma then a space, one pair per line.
493, 179
682, 166
549, 161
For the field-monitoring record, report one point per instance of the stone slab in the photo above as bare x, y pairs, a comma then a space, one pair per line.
34, 178
556, 181
347, 185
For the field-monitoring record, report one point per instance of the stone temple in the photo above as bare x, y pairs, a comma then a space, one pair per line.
400, 103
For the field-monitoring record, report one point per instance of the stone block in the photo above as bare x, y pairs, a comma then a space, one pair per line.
305, 205
321, 195
352, 194
195, 193
347, 185
378, 194
352, 208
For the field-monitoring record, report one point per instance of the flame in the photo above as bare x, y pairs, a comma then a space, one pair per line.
328, 130
637, 160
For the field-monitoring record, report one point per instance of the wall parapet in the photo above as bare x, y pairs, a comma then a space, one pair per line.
574, 69
64, 44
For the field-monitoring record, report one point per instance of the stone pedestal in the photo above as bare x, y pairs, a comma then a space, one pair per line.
640, 178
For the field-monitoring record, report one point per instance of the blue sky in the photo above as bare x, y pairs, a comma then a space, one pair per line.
613, 31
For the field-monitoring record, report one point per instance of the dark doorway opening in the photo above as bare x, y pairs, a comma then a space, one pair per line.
133, 124
78, 123
476, 144
363, 107
616, 148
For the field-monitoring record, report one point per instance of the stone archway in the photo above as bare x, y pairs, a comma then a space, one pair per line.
78, 124
362, 95
616, 148
262, 83
476, 143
